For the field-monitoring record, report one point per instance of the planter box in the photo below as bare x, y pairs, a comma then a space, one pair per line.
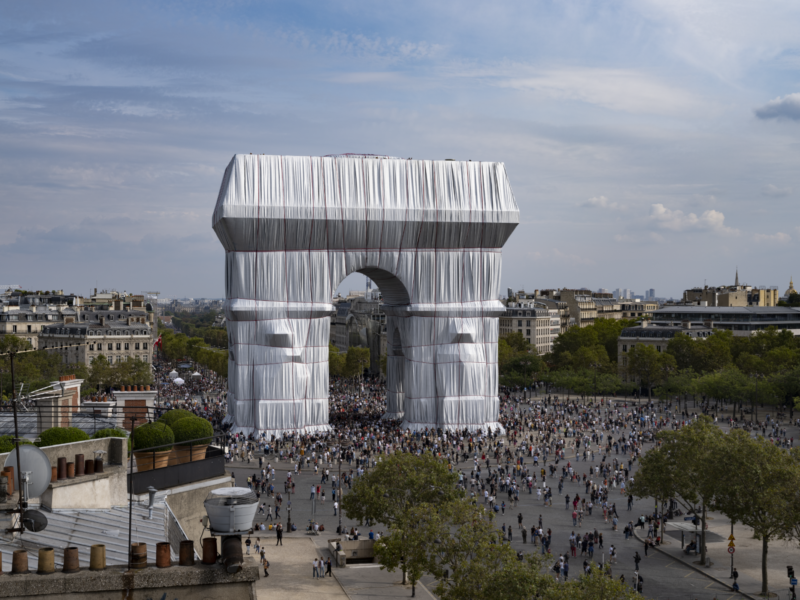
147, 461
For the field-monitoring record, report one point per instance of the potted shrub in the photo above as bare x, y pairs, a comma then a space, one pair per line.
61, 435
176, 414
192, 428
147, 436
170, 418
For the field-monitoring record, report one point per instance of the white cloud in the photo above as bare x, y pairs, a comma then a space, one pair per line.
617, 89
776, 238
676, 220
134, 110
784, 107
775, 192
602, 202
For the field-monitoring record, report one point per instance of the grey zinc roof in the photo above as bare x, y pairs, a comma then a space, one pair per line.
83, 528
700, 310
660, 332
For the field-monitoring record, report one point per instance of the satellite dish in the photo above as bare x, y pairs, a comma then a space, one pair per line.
34, 462
34, 521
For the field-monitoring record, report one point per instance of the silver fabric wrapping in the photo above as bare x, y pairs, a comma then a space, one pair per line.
429, 233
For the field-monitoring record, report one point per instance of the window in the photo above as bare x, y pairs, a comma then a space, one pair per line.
519, 324
119, 346
527, 323
29, 329
127, 346
110, 359
144, 346
136, 346
144, 357
111, 346
14, 329
624, 361
658, 348
624, 347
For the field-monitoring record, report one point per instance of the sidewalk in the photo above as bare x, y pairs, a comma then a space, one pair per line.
747, 557
290, 572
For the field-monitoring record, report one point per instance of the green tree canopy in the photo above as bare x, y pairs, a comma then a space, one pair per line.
686, 467
760, 489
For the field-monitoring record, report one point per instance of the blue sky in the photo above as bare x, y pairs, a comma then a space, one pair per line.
650, 144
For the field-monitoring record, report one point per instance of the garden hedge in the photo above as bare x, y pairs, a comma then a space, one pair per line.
7, 443
176, 414
193, 428
153, 434
116, 433
61, 435
107, 433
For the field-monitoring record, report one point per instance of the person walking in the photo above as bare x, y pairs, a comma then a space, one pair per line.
248, 543
637, 559
316, 569
328, 564
279, 534
265, 564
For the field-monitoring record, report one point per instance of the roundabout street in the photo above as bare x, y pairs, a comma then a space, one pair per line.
667, 572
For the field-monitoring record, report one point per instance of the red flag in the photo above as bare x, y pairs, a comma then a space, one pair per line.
157, 343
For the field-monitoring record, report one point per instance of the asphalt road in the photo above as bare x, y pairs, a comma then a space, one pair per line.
663, 577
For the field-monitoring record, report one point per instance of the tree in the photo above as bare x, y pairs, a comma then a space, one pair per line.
517, 342
687, 467
759, 488
598, 584
647, 365
335, 361
356, 361
470, 560
408, 547
518, 362
603, 333
393, 489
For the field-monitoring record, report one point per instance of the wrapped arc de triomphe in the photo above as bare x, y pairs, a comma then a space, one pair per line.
429, 233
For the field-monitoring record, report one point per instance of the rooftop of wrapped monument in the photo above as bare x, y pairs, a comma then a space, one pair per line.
429, 233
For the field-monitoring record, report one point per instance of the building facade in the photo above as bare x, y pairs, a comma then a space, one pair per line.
117, 335
638, 309
537, 323
26, 316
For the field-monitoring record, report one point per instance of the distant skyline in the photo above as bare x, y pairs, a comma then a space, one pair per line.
650, 144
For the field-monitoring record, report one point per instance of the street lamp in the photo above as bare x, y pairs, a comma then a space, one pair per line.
756, 376
339, 485
596, 367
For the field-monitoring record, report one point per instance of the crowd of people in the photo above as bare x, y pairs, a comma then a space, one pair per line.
546, 442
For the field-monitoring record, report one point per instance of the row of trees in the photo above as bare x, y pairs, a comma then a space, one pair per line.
177, 346
750, 480
764, 368
33, 369
349, 364
199, 325
104, 375
37, 370
434, 529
